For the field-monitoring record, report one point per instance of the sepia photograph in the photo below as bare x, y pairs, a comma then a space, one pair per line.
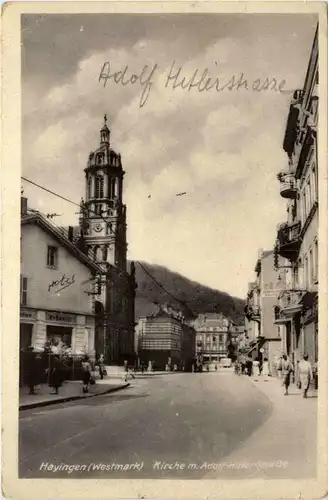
168, 233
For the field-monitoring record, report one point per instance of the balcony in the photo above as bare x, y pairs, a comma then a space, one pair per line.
288, 187
252, 312
289, 239
290, 304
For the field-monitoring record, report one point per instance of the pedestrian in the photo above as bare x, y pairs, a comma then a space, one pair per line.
31, 369
249, 366
256, 368
101, 364
126, 371
279, 367
265, 369
216, 367
86, 373
315, 375
286, 371
56, 374
305, 375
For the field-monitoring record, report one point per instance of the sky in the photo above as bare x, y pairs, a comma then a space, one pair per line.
224, 149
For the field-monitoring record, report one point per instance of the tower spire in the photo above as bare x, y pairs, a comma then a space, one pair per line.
104, 132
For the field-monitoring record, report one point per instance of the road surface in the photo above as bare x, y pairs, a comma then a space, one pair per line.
162, 426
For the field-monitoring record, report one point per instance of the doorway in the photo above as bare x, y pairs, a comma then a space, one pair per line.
25, 340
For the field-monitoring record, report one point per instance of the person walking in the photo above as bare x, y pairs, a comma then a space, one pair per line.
31, 369
249, 366
126, 371
315, 375
101, 364
279, 367
305, 375
56, 374
286, 371
86, 373
256, 368
265, 369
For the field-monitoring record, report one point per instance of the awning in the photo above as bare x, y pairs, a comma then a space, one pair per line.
252, 345
309, 298
290, 311
282, 321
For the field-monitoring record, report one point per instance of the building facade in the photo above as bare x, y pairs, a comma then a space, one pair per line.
102, 236
57, 286
297, 237
263, 335
212, 336
252, 311
165, 338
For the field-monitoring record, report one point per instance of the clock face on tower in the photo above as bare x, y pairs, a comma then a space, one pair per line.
98, 227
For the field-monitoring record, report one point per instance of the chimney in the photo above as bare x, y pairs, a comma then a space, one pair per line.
23, 205
70, 233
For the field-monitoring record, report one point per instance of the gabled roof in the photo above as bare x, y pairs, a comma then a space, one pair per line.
56, 233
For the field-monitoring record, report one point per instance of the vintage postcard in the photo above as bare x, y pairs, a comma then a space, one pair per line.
164, 230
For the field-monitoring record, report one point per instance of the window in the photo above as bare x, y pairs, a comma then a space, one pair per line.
98, 209
314, 183
99, 158
89, 187
52, 257
309, 195
112, 189
306, 270
296, 275
23, 291
304, 207
99, 186
311, 264
315, 259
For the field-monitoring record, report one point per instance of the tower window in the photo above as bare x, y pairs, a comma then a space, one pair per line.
98, 209
112, 188
99, 187
89, 188
100, 159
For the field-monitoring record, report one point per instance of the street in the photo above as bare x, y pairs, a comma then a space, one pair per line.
218, 422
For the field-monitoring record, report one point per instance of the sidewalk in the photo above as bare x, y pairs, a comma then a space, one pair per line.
289, 435
69, 391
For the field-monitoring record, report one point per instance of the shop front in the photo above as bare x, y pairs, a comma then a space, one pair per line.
37, 327
309, 325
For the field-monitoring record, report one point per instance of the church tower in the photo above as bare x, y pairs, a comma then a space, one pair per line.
103, 215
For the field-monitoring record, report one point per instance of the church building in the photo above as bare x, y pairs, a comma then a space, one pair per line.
103, 237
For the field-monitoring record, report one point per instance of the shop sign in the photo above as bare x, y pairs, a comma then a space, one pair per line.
60, 317
27, 314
